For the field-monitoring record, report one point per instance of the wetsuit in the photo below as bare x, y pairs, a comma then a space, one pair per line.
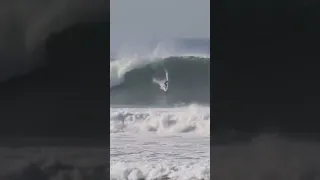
166, 84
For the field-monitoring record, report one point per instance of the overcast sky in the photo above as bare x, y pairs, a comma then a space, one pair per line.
164, 19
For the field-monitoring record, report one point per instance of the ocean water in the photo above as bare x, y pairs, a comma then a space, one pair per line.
157, 134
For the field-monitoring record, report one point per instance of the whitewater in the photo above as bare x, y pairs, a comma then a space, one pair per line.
156, 134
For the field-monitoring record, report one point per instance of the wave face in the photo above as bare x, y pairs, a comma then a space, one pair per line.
187, 62
189, 81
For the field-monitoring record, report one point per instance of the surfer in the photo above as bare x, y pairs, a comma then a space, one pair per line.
166, 85
166, 81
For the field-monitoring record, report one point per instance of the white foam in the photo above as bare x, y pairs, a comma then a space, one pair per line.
159, 171
161, 121
135, 156
160, 143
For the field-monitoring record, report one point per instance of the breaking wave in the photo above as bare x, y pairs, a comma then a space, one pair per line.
189, 80
134, 67
162, 121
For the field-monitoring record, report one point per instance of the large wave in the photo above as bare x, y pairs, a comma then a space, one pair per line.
187, 62
189, 80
